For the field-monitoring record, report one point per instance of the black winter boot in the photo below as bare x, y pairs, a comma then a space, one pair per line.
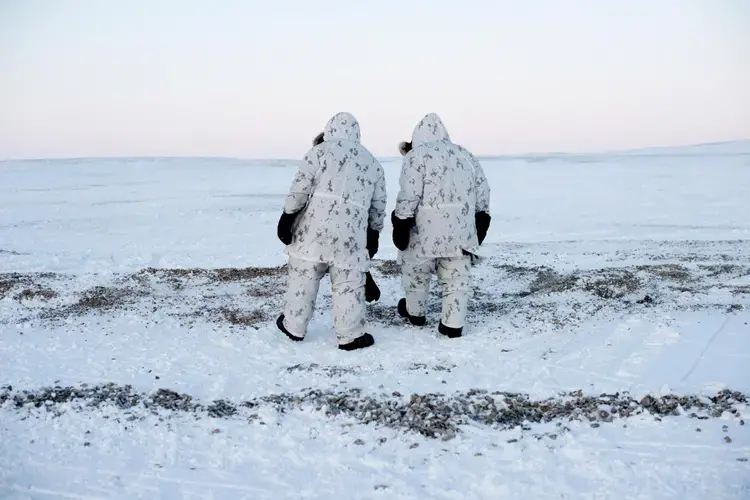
451, 333
404, 313
280, 325
365, 340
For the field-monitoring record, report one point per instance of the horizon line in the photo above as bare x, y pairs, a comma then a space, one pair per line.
388, 158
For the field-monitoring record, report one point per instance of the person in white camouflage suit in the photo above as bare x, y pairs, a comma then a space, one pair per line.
441, 218
331, 223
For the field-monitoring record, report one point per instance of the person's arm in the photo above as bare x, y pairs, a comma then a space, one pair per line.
482, 212
298, 195
376, 216
409, 197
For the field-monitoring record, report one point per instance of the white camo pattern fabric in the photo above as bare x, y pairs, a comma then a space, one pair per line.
454, 275
442, 185
348, 294
341, 187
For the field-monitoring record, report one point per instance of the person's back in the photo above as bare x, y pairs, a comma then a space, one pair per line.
442, 187
346, 196
441, 218
332, 218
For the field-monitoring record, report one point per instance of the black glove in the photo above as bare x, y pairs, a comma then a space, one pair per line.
372, 292
401, 231
318, 139
373, 239
482, 220
284, 229
404, 148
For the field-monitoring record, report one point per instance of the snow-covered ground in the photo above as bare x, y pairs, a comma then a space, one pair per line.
609, 278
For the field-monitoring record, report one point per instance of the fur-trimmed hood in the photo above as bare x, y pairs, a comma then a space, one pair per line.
404, 148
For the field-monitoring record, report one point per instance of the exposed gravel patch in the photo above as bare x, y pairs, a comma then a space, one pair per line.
330, 371
11, 252
669, 272
537, 298
515, 270
100, 299
550, 281
431, 415
221, 275
384, 314
387, 267
36, 293
723, 270
434, 368
12, 281
612, 284
245, 318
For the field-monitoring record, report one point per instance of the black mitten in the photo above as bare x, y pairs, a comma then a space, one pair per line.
372, 292
318, 139
284, 229
401, 231
482, 220
373, 239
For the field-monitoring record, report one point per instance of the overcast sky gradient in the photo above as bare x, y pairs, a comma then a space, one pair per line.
260, 78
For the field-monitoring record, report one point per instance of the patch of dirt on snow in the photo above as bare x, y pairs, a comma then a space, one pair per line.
431, 415
486, 304
517, 270
434, 368
535, 298
670, 272
330, 371
220, 275
231, 315
99, 299
385, 315
267, 290
11, 252
36, 293
7, 284
722, 270
243, 318
604, 283
612, 283
387, 267
102, 298
550, 281
11, 281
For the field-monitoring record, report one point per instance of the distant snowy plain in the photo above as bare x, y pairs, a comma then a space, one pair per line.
606, 274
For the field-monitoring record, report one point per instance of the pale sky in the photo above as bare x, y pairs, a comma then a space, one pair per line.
259, 79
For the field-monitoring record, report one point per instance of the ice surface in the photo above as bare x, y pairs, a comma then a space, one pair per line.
608, 273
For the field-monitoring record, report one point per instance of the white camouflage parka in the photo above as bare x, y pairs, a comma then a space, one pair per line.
442, 185
341, 187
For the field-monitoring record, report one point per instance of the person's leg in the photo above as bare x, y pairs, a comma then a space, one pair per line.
348, 294
454, 275
303, 283
415, 278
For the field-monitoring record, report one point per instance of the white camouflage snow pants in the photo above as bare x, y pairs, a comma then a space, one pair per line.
348, 294
454, 274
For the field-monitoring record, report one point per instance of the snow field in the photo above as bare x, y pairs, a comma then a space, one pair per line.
611, 274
